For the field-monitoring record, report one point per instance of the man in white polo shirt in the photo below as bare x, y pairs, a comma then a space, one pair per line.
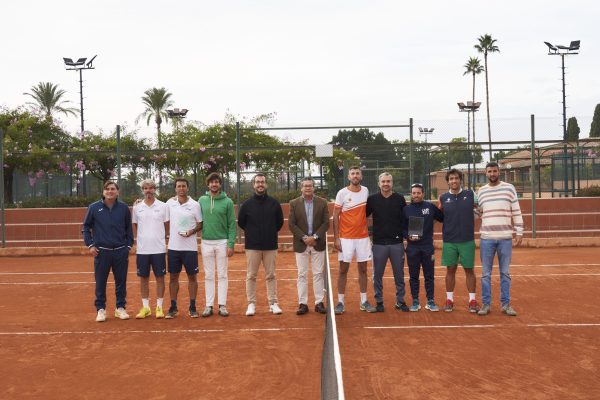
150, 218
185, 221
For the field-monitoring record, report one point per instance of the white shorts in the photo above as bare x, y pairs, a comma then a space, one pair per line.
360, 247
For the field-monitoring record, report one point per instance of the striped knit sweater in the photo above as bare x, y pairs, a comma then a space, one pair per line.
498, 205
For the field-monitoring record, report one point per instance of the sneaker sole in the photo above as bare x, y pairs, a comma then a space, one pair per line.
339, 312
143, 316
223, 314
448, 309
414, 309
432, 309
171, 316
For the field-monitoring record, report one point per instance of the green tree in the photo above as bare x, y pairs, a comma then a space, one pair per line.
156, 101
30, 143
49, 98
572, 130
595, 127
486, 44
458, 152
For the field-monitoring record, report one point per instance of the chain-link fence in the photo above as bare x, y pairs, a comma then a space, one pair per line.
552, 168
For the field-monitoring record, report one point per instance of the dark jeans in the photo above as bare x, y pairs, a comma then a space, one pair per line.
118, 260
381, 254
416, 257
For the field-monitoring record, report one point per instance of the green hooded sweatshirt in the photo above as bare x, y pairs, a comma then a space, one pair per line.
218, 218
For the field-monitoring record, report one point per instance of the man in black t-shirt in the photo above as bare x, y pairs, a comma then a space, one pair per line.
386, 207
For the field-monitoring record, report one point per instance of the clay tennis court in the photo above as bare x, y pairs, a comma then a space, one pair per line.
53, 349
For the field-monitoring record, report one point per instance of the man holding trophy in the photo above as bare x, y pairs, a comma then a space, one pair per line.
419, 217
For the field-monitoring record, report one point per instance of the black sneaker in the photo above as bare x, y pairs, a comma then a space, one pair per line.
172, 313
379, 306
402, 307
193, 313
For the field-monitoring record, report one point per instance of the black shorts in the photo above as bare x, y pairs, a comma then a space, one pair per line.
157, 261
189, 259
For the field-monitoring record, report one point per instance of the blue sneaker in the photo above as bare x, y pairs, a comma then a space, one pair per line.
416, 306
431, 306
339, 308
366, 306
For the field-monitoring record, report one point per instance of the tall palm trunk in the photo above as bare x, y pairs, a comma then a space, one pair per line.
487, 104
158, 120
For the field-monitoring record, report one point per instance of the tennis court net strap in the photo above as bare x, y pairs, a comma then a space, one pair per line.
332, 385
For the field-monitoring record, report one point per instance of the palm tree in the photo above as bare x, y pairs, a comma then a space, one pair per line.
48, 97
156, 100
473, 66
487, 45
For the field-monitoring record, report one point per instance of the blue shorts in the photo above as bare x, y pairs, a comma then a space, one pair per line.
157, 261
189, 259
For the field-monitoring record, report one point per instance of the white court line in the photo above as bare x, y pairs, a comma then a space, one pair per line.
49, 333
201, 281
92, 272
556, 325
280, 269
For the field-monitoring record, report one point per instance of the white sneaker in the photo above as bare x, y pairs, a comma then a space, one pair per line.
121, 313
251, 310
101, 317
275, 309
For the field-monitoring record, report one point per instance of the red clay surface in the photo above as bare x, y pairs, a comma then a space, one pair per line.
51, 347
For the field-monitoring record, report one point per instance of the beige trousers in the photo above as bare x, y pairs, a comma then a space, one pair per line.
254, 258
318, 261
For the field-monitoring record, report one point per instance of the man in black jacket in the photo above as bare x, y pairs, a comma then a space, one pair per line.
261, 219
386, 206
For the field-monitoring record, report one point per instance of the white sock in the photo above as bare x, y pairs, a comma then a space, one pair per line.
363, 298
450, 296
159, 302
341, 298
146, 303
471, 296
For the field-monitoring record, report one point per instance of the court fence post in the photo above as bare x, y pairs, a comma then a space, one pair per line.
2, 185
238, 172
119, 155
532, 178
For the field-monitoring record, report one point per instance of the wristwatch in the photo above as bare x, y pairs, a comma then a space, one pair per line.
316, 237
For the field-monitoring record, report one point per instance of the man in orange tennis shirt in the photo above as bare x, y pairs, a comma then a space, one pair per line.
352, 236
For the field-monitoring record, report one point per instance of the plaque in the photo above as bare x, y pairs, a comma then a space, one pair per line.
415, 227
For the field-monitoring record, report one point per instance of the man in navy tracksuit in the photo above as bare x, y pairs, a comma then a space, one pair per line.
108, 234
420, 251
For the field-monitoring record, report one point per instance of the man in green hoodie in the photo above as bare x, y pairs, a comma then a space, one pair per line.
218, 238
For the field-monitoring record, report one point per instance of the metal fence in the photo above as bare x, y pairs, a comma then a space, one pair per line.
544, 168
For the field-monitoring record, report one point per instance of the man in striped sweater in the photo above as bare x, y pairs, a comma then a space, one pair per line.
500, 215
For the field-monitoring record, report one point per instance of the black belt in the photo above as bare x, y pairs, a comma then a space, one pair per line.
111, 249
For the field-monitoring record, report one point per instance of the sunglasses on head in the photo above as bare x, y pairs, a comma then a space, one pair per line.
416, 185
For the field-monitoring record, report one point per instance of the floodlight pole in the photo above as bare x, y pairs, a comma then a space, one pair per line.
427, 131
556, 51
238, 171
2, 216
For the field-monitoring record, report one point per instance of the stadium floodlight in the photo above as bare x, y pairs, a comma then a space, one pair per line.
79, 65
177, 115
470, 107
562, 51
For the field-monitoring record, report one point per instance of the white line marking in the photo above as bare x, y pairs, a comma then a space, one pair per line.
201, 282
430, 327
287, 269
48, 333
557, 325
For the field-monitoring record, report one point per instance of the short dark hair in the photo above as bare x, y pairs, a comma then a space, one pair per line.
108, 183
307, 179
454, 171
354, 167
214, 176
258, 175
492, 164
187, 183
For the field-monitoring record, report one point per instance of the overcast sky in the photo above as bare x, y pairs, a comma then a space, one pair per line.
311, 62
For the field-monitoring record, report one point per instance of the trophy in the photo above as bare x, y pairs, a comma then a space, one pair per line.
415, 227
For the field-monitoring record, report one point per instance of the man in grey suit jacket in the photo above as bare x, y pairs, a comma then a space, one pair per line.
309, 221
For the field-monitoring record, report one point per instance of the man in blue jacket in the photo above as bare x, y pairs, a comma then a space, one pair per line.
419, 249
108, 234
